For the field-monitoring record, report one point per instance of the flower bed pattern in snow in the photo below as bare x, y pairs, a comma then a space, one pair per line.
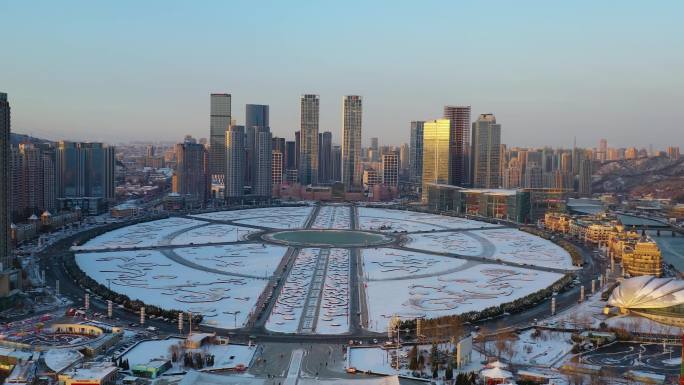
249, 259
224, 301
387, 263
397, 220
333, 217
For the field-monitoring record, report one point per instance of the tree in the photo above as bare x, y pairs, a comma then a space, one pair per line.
413, 358
435, 371
434, 355
449, 373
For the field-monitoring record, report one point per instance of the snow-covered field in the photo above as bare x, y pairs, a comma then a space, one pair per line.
255, 213
373, 218
543, 348
474, 288
520, 247
287, 311
387, 263
333, 217
145, 234
259, 260
212, 234
333, 316
226, 356
151, 277
445, 242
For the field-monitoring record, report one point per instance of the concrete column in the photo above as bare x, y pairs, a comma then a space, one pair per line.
110, 308
581, 298
87, 301
142, 315
553, 305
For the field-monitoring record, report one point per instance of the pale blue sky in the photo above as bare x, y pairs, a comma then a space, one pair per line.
549, 70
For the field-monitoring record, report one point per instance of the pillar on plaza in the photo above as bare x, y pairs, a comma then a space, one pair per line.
553, 305
142, 315
601, 283
180, 323
110, 308
593, 286
86, 301
57, 287
581, 298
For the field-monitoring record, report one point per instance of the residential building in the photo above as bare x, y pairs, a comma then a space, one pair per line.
191, 179
459, 144
308, 151
436, 155
351, 142
324, 157
235, 162
486, 152
416, 153
219, 121
5, 186
390, 169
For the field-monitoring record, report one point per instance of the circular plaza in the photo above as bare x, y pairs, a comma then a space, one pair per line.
321, 269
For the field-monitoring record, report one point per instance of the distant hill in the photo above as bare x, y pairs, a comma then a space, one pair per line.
660, 177
16, 139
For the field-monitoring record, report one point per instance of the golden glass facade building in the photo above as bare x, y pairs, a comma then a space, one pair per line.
436, 136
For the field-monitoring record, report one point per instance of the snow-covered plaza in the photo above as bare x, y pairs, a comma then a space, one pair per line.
218, 264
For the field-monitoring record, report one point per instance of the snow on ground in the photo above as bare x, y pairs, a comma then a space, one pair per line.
386, 263
445, 242
145, 234
474, 288
638, 324
149, 276
276, 221
540, 348
288, 307
256, 213
333, 315
378, 360
212, 234
588, 314
421, 221
259, 260
517, 246
148, 350
58, 360
391, 225
333, 217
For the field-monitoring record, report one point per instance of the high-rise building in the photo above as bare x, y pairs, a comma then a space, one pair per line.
277, 168
258, 150
512, 177
84, 170
336, 164
584, 186
533, 175
374, 150
486, 152
459, 147
351, 142
673, 152
219, 121
390, 169
235, 162
291, 155
308, 137
602, 153
436, 141
416, 153
324, 157
191, 179
33, 176
404, 151
5, 158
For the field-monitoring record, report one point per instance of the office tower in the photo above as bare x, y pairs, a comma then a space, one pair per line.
351, 142
404, 159
5, 159
631, 153
374, 150
324, 157
459, 146
584, 186
290, 155
298, 149
336, 164
673, 152
486, 152
436, 141
533, 175
390, 169
191, 179
277, 168
566, 163
602, 153
512, 177
416, 153
219, 121
308, 138
258, 150
27, 192
235, 162
370, 178
84, 170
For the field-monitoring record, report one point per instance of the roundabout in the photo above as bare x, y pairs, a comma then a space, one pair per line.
336, 269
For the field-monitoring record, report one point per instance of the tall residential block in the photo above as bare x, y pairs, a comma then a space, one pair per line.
324, 157
390, 169
84, 170
219, 121
585, 171
235, 162
277, 168
459, 146
486, 152
416, 153
352, 109
436, 145
191, 179
5, 251
258, 150
308, 137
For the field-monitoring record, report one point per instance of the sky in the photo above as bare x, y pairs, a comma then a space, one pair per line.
550, 71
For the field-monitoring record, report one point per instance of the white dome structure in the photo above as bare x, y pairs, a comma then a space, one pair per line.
660, 299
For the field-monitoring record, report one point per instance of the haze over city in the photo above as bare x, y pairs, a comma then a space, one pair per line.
549, 71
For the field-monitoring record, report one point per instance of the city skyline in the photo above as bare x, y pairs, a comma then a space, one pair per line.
553, 72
